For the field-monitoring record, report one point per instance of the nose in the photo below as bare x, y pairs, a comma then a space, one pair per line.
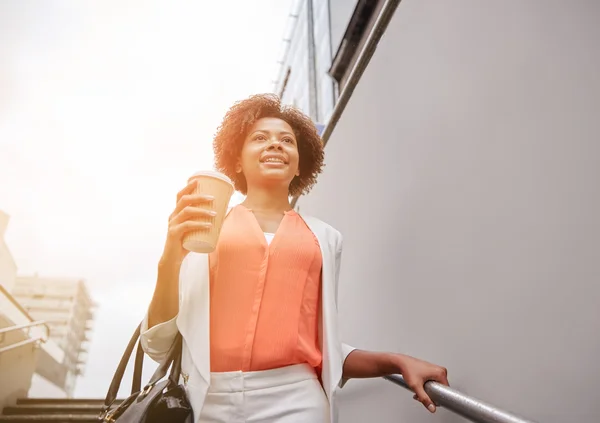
275, 144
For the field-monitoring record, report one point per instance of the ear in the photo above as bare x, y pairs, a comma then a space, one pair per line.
238, 167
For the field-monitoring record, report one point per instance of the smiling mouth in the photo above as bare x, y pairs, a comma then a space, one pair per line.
276, 160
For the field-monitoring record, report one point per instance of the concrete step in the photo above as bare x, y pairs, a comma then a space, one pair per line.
50, 418
35, 401
44, 409
53, 410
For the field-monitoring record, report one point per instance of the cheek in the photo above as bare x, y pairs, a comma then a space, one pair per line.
293, 154
295, 159
249, 155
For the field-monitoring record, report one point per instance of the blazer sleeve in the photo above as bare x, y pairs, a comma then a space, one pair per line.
346, 349
157, 340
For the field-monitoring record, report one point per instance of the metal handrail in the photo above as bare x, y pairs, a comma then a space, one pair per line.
379, 27
21, 344
12, 299
468, 407
26, 326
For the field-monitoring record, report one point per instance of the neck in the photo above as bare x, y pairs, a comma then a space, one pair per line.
267, 199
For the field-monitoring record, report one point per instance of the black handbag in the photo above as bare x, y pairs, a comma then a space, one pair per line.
160, 401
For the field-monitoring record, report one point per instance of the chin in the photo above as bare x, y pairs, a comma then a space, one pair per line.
273, 178
276, 173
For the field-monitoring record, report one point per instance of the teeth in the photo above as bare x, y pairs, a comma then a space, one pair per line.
273, 160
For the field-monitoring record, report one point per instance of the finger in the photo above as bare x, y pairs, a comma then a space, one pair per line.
191, 225
424, 399
191, 212
181, 229
441, 376
192, 199
189, 188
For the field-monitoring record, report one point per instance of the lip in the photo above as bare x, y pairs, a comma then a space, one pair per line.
281, 157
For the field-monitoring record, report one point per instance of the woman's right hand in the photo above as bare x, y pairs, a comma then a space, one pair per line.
192, 212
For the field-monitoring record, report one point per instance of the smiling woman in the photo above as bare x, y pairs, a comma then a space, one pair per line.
258, 315
255, 122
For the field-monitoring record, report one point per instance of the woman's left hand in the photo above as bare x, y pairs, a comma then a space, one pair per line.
416, 372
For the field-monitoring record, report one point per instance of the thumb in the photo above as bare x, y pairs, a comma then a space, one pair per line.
424, 399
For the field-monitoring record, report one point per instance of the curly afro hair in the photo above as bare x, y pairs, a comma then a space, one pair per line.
238, 120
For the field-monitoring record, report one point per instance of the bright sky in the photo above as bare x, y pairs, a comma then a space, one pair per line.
106, 107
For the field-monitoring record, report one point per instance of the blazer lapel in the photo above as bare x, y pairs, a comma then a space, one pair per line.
332, 354
194, 311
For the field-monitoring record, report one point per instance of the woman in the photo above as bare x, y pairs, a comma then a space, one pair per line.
258, 316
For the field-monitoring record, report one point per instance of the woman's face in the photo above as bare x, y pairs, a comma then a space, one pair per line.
270, 153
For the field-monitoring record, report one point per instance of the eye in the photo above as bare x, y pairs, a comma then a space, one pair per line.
259, 137
288, 139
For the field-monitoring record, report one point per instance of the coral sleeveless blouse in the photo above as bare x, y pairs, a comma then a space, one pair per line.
264, 298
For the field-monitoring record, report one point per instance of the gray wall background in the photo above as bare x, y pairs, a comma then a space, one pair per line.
465, 178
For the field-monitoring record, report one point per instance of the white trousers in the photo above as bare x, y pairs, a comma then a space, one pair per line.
290, 394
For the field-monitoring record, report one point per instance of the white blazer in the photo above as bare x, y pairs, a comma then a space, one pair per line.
193, 322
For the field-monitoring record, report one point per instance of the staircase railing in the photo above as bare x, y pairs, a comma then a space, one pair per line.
13, 303
461, 404
27, 326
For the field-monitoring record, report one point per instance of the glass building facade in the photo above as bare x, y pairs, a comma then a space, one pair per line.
302, 78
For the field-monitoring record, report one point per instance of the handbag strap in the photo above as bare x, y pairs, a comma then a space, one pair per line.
118, 377
173, 356
177, 357
136, 383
